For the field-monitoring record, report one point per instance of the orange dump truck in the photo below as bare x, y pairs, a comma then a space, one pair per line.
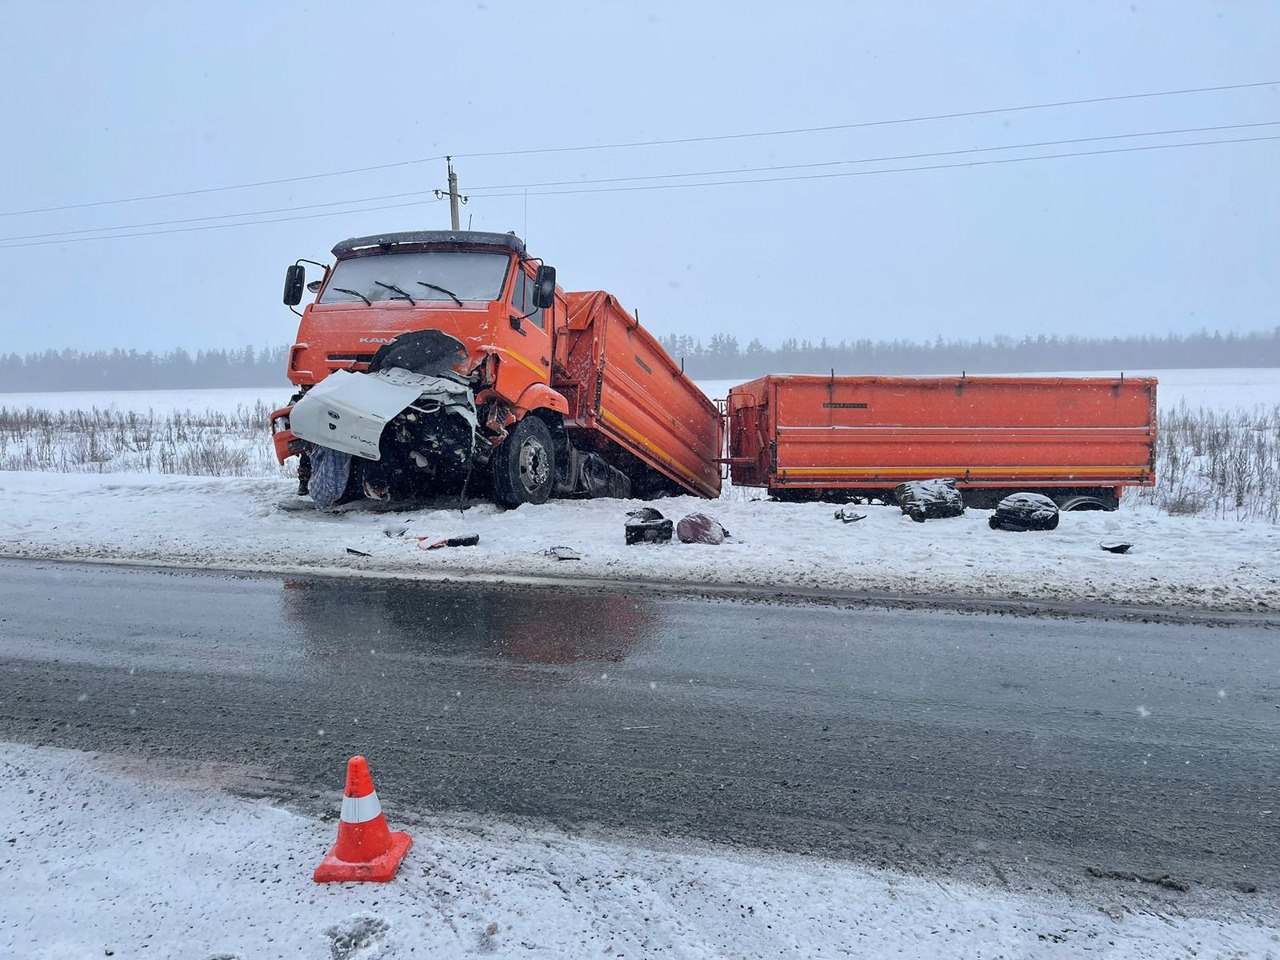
446, 363
1079, 441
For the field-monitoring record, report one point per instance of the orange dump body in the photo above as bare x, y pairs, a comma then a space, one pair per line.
624, 391
806, 433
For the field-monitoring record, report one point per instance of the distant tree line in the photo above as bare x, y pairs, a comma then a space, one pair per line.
723, 356
131, 370
720, 357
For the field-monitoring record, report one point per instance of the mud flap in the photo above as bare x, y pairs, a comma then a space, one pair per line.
589, 475
597, 478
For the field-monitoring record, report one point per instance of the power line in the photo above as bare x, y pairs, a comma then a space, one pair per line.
233, 186
219, 226
643, 143
872, 173
662, 176
872, 123
673, 186
889, 159
220, 216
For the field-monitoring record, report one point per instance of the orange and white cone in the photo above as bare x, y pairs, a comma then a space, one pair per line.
366, 847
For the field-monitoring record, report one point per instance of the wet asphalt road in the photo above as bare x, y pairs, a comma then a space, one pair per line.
970, 743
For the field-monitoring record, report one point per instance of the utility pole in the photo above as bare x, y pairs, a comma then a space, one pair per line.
452, 193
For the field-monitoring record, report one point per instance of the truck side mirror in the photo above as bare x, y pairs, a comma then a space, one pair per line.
294, 279
315, 285
544, 288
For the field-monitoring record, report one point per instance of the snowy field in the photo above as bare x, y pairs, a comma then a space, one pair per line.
162, 402
1178, 562
1216, 389
188, 487
113, 859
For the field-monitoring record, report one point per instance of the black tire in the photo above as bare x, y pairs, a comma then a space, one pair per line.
1103, 501
524, 465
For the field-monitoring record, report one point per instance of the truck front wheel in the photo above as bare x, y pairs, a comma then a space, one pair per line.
524, 465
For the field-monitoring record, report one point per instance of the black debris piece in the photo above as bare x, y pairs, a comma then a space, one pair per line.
562, 553
358, 553
597, 478
644, 513
699, 528
923, 500
847, 514
470, 540
427, 352
1025, 511
647, 525
1116, 546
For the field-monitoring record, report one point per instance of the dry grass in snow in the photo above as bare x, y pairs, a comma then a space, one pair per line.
1218, 463
208, 443
1210, 461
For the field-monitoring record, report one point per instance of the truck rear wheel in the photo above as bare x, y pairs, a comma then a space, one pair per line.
524, 466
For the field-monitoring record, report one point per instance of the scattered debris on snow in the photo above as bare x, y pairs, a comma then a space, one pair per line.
923, 500
700, 528
469, 540
1021, 512
562, 553
236, 524
646, 525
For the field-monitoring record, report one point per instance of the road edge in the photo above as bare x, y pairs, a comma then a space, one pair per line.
741, 592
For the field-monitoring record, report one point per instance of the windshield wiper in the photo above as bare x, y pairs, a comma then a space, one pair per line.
355, 293
392, 286
432, 286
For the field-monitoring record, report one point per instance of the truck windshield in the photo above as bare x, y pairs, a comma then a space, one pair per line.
427, 275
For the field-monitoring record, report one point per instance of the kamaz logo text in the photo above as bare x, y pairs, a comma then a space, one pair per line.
377, 339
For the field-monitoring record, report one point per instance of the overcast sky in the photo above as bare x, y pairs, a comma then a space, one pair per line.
112, 100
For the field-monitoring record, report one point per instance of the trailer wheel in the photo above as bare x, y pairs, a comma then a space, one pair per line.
524, 466
1088, 502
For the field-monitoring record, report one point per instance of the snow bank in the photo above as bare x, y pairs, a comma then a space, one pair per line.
98, 863
239, 524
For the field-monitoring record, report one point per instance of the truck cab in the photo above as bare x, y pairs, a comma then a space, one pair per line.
476, 287
480, 289
448, 363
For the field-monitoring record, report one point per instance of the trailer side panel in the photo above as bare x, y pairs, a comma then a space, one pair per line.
836, 433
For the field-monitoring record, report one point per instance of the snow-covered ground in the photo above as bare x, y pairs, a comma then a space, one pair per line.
132, 498
1227, 389
1186, 562
219, 399
107, 859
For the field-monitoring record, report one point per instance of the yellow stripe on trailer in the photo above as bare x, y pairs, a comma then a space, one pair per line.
944, 471
650, 446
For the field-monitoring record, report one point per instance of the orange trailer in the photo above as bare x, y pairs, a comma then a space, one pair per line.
1077, 440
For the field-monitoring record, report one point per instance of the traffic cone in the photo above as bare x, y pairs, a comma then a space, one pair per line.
366, 848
